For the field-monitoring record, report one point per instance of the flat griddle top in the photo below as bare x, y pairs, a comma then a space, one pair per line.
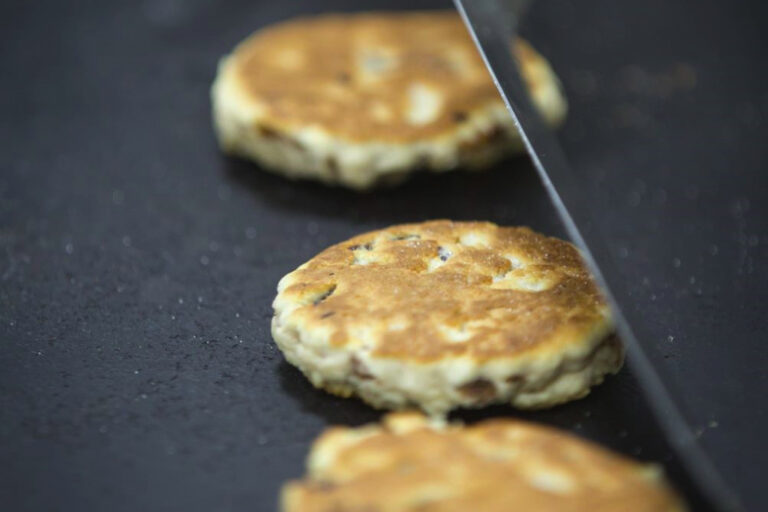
138, 265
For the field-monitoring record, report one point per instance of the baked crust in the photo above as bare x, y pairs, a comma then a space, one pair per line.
444, 314
358, 99
408, 463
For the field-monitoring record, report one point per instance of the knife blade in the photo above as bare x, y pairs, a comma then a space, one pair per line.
491, 24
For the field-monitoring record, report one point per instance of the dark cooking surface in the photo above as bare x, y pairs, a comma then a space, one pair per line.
137, 265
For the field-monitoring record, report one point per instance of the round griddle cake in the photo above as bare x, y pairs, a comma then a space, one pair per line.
410, 464
445, 314
360, 98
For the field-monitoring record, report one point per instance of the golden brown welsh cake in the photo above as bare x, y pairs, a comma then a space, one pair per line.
447, 314
357, 99
410, 464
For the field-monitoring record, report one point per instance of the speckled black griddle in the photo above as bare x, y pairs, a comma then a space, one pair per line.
137, 265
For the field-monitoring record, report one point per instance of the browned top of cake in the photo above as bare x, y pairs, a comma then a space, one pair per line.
372, 76
408, 464
422, 292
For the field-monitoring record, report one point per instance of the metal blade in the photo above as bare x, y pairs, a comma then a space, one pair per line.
491, 23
